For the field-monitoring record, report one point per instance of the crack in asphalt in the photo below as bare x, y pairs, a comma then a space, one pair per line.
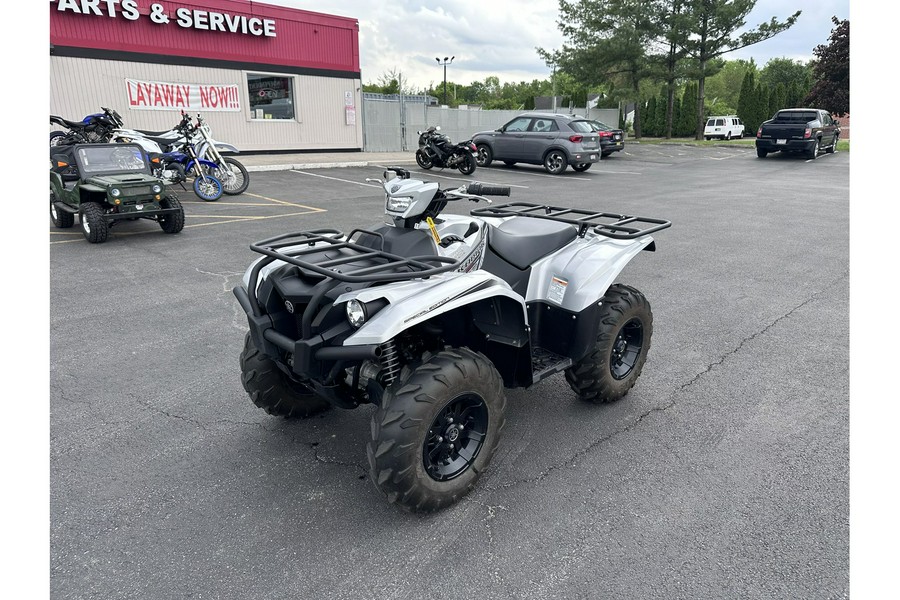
574, 459
238, 317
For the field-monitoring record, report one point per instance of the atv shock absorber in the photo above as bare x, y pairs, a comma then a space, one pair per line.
390, 361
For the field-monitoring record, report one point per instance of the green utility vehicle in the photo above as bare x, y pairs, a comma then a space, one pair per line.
105, 184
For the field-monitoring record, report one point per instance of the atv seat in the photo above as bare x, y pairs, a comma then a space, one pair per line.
521, 241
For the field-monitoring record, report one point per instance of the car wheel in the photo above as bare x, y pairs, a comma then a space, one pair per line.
60, 218
484, 156
728, 136
761, 153
830, 149
437, 429
605, 154
93, 225
708, 138
813, 152
581, 167
555, 162
617, 357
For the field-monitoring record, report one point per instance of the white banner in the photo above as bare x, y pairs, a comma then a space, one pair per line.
157, 95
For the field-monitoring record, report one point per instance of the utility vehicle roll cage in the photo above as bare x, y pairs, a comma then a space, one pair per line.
619, 227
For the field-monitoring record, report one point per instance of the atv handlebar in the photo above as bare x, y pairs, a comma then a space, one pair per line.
479, 189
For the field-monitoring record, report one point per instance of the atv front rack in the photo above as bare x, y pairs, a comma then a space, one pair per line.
611, 225
379, 266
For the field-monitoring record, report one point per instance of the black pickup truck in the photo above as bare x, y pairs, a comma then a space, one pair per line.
806, 130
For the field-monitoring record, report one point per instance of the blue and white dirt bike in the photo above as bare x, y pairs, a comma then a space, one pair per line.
182, 161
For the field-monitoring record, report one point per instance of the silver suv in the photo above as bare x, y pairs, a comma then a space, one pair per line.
541, 139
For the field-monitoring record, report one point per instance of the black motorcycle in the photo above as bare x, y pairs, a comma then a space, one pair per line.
436, 150
93, 129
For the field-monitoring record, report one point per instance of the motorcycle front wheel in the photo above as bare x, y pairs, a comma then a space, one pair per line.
208, 188
233, 175
423, 160
467, 164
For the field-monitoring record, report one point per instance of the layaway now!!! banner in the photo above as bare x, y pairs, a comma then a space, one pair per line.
158, 95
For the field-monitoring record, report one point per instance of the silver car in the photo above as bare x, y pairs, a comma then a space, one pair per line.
552, 140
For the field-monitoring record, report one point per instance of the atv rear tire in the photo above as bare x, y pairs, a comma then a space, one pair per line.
623, 340
272, 390
60, 218
172, 222
94, 227
437, 429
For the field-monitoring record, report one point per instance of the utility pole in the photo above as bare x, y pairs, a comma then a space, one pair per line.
444, 63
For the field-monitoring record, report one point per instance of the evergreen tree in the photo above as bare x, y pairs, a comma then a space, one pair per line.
746, 101
778, 99
676, 115
650, 122
660, 118
762, 104
689, 110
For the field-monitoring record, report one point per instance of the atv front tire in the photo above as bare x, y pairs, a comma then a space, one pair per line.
272, 390
172, 222
623, 340
437, 429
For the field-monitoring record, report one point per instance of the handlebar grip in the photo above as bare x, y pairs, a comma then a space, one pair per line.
479, 189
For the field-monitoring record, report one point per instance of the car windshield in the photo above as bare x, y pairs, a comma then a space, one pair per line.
111, 159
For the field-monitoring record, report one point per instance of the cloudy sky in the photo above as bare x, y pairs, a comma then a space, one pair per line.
498, 37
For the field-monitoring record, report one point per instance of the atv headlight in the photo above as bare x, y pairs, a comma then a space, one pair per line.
156, 188
398, 204
115, 192
356, 313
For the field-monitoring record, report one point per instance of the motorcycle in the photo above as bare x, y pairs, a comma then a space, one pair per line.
233, 175
93, 129
182, 161
436, 150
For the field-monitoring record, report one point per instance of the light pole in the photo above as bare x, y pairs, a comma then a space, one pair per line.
445, 62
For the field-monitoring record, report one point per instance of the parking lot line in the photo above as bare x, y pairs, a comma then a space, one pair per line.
335, 178
525, 187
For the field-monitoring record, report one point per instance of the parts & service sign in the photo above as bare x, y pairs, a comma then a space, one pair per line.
158, 95
188, 18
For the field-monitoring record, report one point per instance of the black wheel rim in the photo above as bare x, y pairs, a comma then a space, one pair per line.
626, 349
455, 437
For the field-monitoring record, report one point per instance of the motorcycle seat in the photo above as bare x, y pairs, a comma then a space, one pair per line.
76, 125
522, 240
153, 133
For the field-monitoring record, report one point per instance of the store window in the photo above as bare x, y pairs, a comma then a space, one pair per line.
271, 96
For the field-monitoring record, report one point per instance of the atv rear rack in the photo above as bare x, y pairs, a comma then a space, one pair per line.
619, 227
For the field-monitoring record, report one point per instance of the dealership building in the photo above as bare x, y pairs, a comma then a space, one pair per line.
265, 78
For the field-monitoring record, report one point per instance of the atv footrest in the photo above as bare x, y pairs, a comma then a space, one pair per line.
545, 363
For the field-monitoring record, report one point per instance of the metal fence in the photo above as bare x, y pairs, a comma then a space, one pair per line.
393, 126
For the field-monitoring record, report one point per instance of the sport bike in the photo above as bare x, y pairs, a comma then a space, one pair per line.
93, 129
436, 150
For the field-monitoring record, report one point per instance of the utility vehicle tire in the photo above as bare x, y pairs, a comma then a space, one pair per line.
468, 164
423, 160
437, 429
830, 149
94, 227
761, 153
234, 176
60, 218
172, 222
623, 340
555, 162
272, 390
509, 163
582, 167
484, 156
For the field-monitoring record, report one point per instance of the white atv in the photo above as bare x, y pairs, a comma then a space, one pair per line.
431, 316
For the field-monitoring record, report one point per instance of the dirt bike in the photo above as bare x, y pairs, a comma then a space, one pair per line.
429, 317
436, 150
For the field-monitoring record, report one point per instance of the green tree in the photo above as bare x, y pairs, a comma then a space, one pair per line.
831, 70
784, 71
714, 33
689, 101
725, 87
606, 41
747, 102
762, 103
777, 98
650, 128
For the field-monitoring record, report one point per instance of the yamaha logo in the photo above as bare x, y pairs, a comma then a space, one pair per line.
289, 306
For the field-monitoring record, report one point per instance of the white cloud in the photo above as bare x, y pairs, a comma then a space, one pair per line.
499, 37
